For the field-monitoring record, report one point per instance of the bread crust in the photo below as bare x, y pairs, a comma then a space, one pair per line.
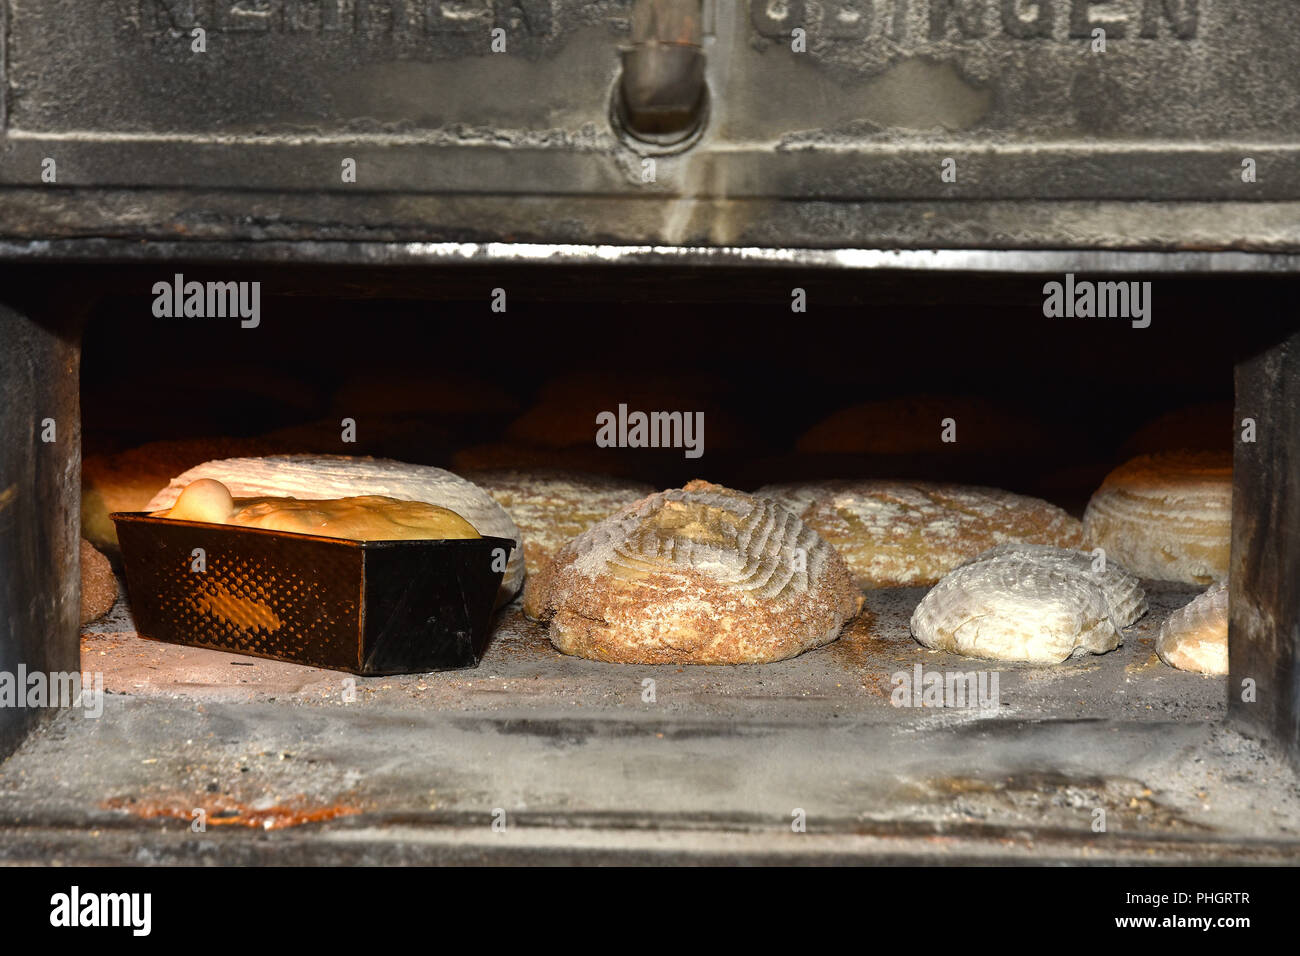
551, 507
1195, 637
698, 575
1037, 605
1166, 516
912, 533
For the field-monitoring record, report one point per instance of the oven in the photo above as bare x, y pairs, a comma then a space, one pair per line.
453, 231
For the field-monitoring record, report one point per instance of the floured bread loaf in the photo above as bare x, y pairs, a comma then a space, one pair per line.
1195, 637
361, 518
697, 575
1038, 605
899, 534
552, 507
1166, 516
1122, 590
323, 476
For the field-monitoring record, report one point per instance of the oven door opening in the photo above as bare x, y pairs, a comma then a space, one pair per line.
838, 753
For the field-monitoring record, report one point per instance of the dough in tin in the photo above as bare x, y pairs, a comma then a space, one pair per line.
337, 476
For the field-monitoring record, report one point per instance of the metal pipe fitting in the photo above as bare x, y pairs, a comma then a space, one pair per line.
662, 90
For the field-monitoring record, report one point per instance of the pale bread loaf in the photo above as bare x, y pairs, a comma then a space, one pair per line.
1166, 516
697, 575
912, 533
1122, 589
1195, 637
1033, 606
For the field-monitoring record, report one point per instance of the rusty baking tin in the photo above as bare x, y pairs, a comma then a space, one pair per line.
368, 607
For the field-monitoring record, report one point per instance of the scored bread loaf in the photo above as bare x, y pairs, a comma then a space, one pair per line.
1122, 589
1034, 605
912, 533
697, 575
332, 476
1166, 516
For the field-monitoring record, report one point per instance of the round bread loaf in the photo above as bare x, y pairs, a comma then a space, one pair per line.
1195, 637
1034, 605
1166, 516
697, 575
551, 507
915, 425
901, 534
98, 584
1207, 426
1121, 588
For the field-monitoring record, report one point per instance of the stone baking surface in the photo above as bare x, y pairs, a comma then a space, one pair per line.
411, 770
850, 676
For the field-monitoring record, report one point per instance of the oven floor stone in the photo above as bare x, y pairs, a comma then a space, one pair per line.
849, 678
203, 757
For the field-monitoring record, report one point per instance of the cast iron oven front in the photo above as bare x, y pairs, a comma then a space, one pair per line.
643, 151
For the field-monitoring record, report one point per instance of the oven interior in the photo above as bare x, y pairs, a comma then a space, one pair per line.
534, 756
